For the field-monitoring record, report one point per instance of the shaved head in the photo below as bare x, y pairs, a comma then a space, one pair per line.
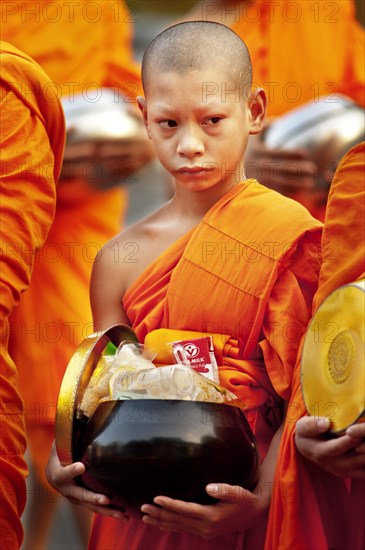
196, 46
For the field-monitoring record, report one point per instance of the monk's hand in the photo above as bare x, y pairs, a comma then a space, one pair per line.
62, 479
290, 172
105, 163
342, 456
238, 509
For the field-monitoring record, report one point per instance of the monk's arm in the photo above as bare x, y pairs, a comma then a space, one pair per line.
106, 287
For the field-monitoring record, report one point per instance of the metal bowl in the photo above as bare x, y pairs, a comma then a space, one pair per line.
326, 129
138, 449
104, 117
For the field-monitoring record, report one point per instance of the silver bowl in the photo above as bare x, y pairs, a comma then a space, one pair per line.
326, 129
105, 117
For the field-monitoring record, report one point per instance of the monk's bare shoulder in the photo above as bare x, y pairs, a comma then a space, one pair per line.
129, 253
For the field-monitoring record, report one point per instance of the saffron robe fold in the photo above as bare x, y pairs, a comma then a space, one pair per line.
83, 46
303, 492
326, 38
248, 271
32, 137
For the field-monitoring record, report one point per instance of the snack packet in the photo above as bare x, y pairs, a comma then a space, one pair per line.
198, 354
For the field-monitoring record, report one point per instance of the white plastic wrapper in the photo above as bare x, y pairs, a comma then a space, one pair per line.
170, 382
128, 356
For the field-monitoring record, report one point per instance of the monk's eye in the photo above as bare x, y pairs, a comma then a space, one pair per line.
213, 121
168, 123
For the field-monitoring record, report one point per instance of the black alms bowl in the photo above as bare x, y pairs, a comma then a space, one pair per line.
136, 450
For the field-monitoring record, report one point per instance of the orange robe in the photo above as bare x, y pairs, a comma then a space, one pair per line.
317, 498
302, 50
32, 138
251, 282
83, 46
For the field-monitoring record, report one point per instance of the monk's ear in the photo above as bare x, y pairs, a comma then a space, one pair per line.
257, 103
142, 105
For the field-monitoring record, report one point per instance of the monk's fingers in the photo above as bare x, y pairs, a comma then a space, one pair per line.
291, 176
311, 426
360, 448
80, 495
351, 465
77, 151
168, 520
356, 430
320, 451
59, 475
174, 525
166, 506
62, 479
309, 442
230, 493
103, 510
93, 501
337, 455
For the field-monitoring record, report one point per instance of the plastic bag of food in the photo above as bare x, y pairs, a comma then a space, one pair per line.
169, 382
129, 356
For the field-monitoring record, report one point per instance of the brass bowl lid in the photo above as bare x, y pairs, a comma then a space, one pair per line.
75, 381
332, 366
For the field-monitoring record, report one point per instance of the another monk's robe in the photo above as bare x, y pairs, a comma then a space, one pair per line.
302, 51
83, 46
327, 43
247, 272
32, 138
306, 495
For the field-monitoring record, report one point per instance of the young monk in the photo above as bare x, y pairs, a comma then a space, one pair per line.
337, 507
224, 255
32, 136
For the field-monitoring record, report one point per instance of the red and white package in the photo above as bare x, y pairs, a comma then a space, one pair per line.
199, 355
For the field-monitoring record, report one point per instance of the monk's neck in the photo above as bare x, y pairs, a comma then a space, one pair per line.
195, 204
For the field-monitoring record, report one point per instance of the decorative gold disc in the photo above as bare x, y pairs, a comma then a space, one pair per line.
341, 356
332, 366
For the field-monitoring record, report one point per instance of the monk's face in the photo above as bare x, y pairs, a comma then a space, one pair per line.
199, 123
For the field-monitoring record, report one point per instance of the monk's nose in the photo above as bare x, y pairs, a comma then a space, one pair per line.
190, 144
